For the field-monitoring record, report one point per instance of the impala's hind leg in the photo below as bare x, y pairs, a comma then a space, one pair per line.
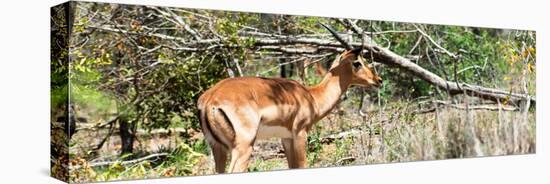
245, 123
240, 156
242, 150
220, 157
219, 150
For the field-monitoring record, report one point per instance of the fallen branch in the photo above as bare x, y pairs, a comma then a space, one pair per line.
102, 142
143, 132
107, 163
466, 107
390, 58
424, 111
98, 126
257, 41
331, 138
345, 159
268, 155
477, 107
378, 53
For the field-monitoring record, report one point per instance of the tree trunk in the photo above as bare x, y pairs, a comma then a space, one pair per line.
70, 124
282, 73
126, 136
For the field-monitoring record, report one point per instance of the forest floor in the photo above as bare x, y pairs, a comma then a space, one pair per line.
398, 133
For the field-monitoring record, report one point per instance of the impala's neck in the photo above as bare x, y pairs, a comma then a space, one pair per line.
327, 93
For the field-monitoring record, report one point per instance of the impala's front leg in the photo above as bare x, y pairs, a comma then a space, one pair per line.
300, 146
288, 145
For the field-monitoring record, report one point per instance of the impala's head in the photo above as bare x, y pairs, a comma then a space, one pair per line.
351, 62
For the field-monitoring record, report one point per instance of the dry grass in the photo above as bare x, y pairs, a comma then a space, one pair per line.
387, 134
396, 134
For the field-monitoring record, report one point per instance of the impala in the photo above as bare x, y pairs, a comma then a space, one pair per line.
237, 111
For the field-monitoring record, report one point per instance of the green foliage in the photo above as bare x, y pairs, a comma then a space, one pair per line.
153, 82
90, 98
342, 150
180, 162
58, 96
314, 145
266, 165
183, 159
482, 53
201, 146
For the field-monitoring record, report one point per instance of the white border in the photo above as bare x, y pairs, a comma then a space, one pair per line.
24, 97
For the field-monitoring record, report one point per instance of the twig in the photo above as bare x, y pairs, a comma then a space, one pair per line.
106, 163
345, 159
179, 21
239, 70
111, 121
280, 65
102, 142
388, 57
468, 68
379, 54
454, 56
477, 107
331, 138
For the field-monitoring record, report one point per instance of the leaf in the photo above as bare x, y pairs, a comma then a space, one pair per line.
530, 67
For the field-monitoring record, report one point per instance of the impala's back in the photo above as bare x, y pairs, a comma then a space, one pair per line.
246, 104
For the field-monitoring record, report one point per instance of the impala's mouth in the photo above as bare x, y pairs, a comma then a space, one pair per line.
369, 86
375, 84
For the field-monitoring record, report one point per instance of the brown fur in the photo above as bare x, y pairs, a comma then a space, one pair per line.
235, 109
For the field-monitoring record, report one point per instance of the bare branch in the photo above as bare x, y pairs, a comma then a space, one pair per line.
379, 54
497, 107
390, 58
107, 163
168, 13
454, 56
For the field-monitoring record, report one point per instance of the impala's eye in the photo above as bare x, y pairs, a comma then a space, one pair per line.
357, 64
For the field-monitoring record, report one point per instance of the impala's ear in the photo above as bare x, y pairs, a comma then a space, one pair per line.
351, 55
357, 51
337, 60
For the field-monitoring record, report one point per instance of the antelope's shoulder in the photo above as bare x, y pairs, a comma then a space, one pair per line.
266, 132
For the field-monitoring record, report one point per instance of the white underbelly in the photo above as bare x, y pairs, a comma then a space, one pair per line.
266, 132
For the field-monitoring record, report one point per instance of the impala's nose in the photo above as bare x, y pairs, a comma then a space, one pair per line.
380, 80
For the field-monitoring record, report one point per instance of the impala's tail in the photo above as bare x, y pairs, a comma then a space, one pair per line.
217, 126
